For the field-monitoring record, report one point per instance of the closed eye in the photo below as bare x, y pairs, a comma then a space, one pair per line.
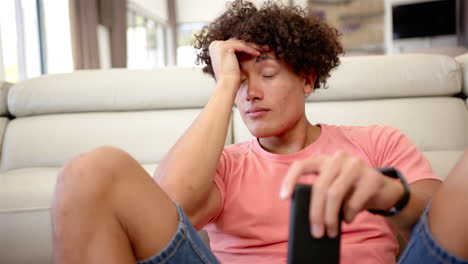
268, 76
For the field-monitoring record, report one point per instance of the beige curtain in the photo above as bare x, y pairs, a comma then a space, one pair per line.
85, 15
113, 15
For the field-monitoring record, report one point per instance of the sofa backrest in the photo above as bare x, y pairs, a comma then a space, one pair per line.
414, 93
145, 111
140, 111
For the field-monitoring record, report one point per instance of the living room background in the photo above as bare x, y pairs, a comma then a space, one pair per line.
45, 37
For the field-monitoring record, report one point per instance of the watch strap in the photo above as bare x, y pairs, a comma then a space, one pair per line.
403, 201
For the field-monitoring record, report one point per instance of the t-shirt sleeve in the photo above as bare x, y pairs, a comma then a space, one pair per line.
219, 181
392, 148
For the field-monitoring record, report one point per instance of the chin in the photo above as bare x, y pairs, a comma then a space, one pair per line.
262, 132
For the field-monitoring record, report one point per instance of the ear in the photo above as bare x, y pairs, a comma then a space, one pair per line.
310, 82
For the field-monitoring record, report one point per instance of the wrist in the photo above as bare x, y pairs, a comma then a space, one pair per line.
228, 81
403, 190
230, 85
397, 191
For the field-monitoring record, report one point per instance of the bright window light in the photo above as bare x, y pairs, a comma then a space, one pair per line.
145, 41
58, 39
9, 40
31, 38
185, 52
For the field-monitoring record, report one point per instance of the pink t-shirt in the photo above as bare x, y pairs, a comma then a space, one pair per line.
252, 224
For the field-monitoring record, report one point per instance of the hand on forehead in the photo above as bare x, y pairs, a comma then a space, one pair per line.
266, 53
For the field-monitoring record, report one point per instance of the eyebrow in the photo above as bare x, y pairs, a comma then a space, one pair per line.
262, 58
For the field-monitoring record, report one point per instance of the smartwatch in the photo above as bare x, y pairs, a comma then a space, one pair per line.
401, 204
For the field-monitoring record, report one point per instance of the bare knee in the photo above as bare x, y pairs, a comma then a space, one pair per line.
89, 175
100, 162
105, 159
82, 198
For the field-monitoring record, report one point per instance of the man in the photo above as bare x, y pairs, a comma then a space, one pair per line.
107, 209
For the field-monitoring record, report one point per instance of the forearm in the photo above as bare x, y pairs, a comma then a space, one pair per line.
190, 165
421, 193
409, 216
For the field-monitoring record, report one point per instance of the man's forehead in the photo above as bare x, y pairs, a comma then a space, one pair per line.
243, 57
264, 57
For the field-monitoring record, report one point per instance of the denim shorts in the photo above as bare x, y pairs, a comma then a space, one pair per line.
423, 248
186, 246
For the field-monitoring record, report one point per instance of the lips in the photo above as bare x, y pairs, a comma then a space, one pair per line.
255, 112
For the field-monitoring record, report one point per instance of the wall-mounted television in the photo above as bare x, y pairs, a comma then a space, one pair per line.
425, 19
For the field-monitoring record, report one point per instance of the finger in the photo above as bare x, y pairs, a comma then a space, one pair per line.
254, 45
298, 169
242, 46
351, 170
365, 190
328, 174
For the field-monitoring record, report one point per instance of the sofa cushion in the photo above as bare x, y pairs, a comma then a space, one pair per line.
25, 200
392, 76
442, 161
26, 237
111, 90
51, 140
31, 189
28, 189
25, 197
438, 126
108, 90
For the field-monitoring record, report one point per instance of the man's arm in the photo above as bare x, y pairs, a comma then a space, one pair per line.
421, 192
347, 181
188, 170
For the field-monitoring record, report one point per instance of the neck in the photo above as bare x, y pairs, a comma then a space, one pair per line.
295, 139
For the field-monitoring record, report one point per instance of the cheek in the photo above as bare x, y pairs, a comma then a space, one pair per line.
240, 95
291, 107
237, 100
290, 99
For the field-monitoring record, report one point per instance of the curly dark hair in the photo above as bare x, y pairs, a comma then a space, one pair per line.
304, 42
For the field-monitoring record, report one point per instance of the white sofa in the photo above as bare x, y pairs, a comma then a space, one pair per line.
53, 118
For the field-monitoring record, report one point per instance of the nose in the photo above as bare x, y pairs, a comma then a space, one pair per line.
254, 90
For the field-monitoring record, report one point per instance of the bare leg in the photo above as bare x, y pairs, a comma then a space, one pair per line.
107, 209
448, 214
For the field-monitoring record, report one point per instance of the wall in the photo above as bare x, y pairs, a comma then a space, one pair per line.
359, 21
190, 11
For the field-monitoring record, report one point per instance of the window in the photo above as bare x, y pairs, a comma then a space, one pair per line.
9, 40
32, 55
57, 36
145, 41
22, 38
185, 52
